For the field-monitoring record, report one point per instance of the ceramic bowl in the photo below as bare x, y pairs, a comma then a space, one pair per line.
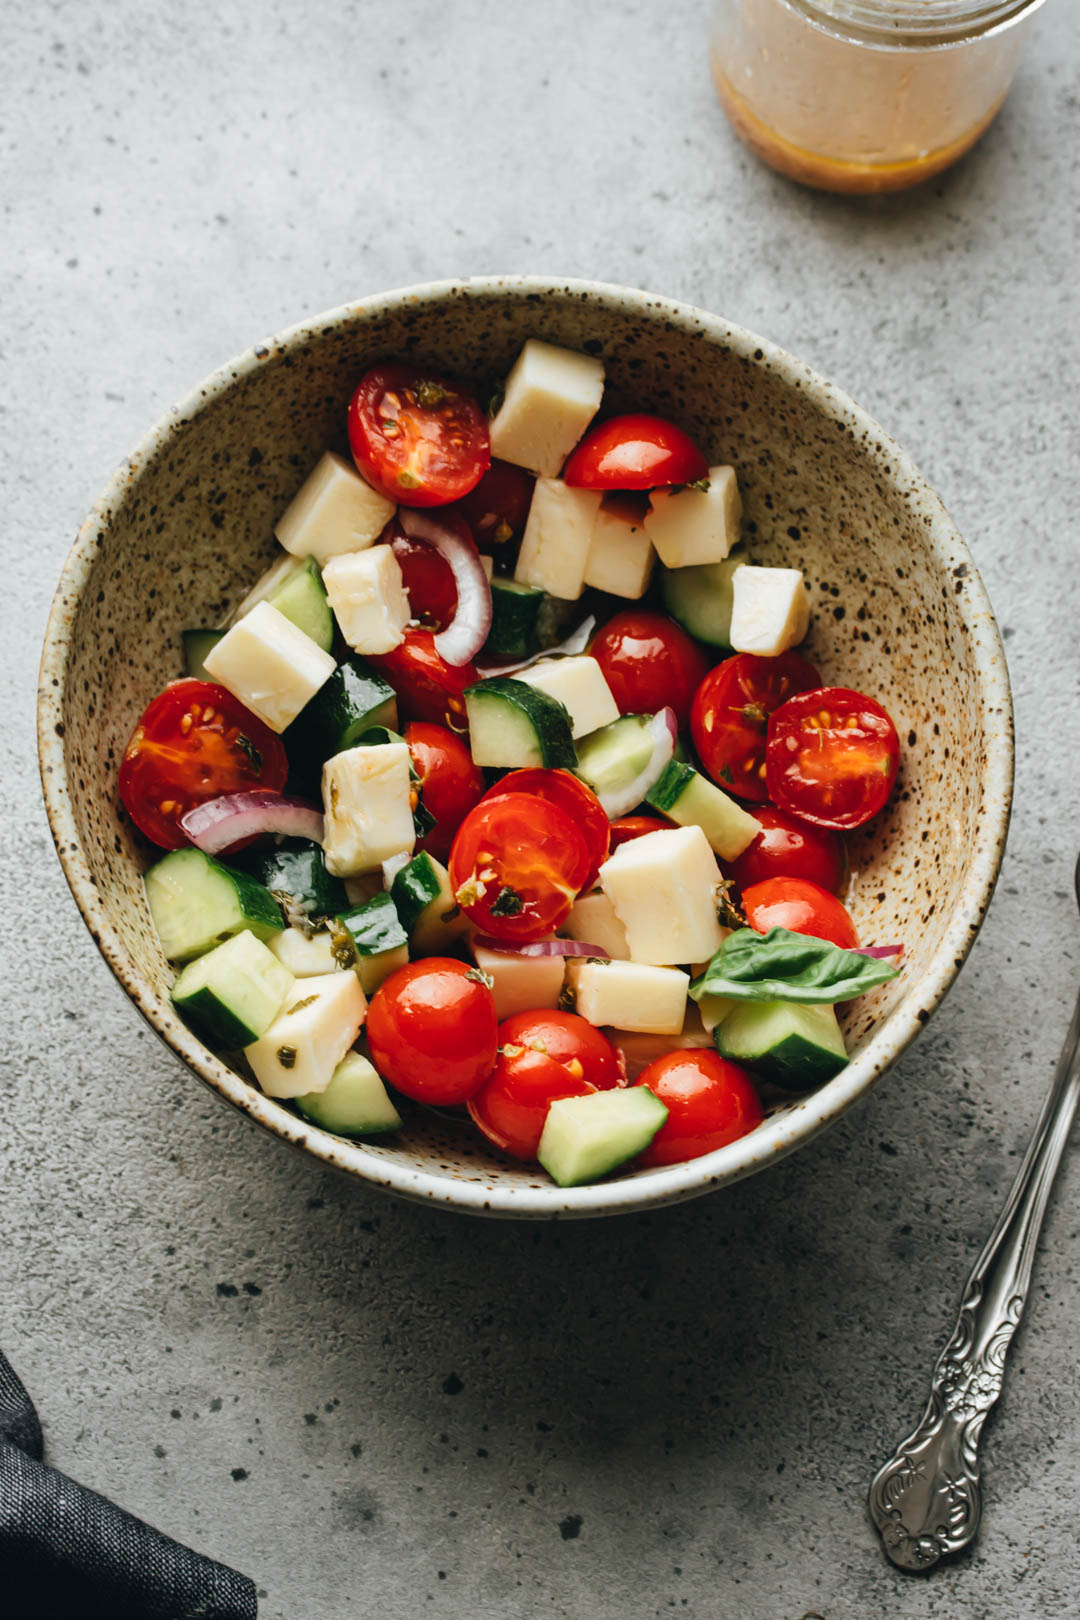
898, 610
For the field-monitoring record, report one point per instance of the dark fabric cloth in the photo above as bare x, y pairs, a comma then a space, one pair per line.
66, 1551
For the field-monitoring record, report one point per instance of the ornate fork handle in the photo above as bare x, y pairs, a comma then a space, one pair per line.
926, 1501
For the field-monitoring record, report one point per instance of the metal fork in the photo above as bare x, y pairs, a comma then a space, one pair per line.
927, 1501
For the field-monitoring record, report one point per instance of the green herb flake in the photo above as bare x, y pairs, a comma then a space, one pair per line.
286, 1056
430, 394
507, 903
298, 1006
246, 746
495, 403
728, 911
725, 775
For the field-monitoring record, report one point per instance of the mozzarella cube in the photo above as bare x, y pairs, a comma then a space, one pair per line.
311, 1034
521, 983
578, 683
621, 555
334, 510
305, 955
691, 525
551, 396
630, 995
271, 666
368, 807
770, 610
558, 532
364, 886
663, 888
369, 599
639, 1050
593, 921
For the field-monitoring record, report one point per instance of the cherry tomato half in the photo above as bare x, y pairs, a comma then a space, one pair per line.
805, 908
570, 793
628, 827
710, 1102
650, 663
730, 716
432, 1030
427, 577
788, 847
194, 741
427, 687
497, 508
517, 865
635, 452
542, 1056
832, 757
451, 784
416, 437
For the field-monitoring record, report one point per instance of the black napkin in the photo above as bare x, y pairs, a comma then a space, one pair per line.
65, 1550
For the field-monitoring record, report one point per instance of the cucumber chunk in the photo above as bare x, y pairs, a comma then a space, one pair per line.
690, 799
197, 643
511, 724
294, 586
515, 612
425, 903
196, 903
355, 1103
374, 933
613, 756
794, 1044
700, 598
232, 995
588, 1137
352, 701
295, 873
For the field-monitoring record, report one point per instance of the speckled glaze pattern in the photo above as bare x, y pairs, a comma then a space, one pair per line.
898, 610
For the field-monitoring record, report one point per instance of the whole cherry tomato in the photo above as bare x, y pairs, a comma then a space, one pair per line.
542, 1056
427, 687
450, 783
649, 662
804, 908
432, 1030
570, 793
497, 508
730, 716
628, 827
517, 865
710, 1102
417, 438
635, 452
832, 757
788, 847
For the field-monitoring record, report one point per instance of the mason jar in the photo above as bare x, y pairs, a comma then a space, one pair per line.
865, 95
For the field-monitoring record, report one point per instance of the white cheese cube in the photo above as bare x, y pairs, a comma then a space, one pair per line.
305, 955
621, 555
369, 599
558, 532
691, 525
334, 510
593, 921
663, 888
630, 995
578, 683
309, 1037
365, 886
521, 983
270, 665
551, 396
770, 610
368, 807
638, 1050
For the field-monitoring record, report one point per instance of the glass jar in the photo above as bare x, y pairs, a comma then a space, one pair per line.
865, 95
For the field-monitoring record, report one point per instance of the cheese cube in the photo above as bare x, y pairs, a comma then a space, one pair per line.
592, 920
578, 683
663, 888
695, 525
551, 396
369, 600
305, 955
368, 807
521, 983
770, 610
558, 532
334, 510
639, 1050
311, 1034
270, 665
630, 995
621, 555
364, 886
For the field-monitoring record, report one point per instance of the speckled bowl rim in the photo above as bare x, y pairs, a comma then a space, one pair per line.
781, 1133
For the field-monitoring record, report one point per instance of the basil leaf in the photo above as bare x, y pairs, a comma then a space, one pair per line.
783, 966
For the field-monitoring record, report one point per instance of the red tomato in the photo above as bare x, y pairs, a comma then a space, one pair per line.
788, 847
832, 757
428, 688
635, 452
805, 908
730, 716
417, 438
450, 782
497, 508
542, 1056
517, 865
709, 1100
432, 1030
628, 827
427, 577
193, 742
570, 794
649, 662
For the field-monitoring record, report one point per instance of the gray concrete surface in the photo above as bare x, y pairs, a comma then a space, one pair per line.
378, 1409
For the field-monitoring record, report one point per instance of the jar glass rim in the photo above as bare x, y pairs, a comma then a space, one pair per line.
919, 24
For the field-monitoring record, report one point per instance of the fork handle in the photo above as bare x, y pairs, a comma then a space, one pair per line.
926, 1500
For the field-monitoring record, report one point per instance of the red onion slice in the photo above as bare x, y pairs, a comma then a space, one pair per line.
541, 947
664, 730
450, 537
232, 817
879, 952
576, 642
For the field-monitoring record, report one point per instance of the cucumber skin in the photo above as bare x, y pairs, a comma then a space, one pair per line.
414, 888
298, 868
324, 1108
794, 1064
259, 910
515, 617
375, 926
197, 643
707, 580
544, 714
666, 792
352, 701
303, 601
214, 1023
